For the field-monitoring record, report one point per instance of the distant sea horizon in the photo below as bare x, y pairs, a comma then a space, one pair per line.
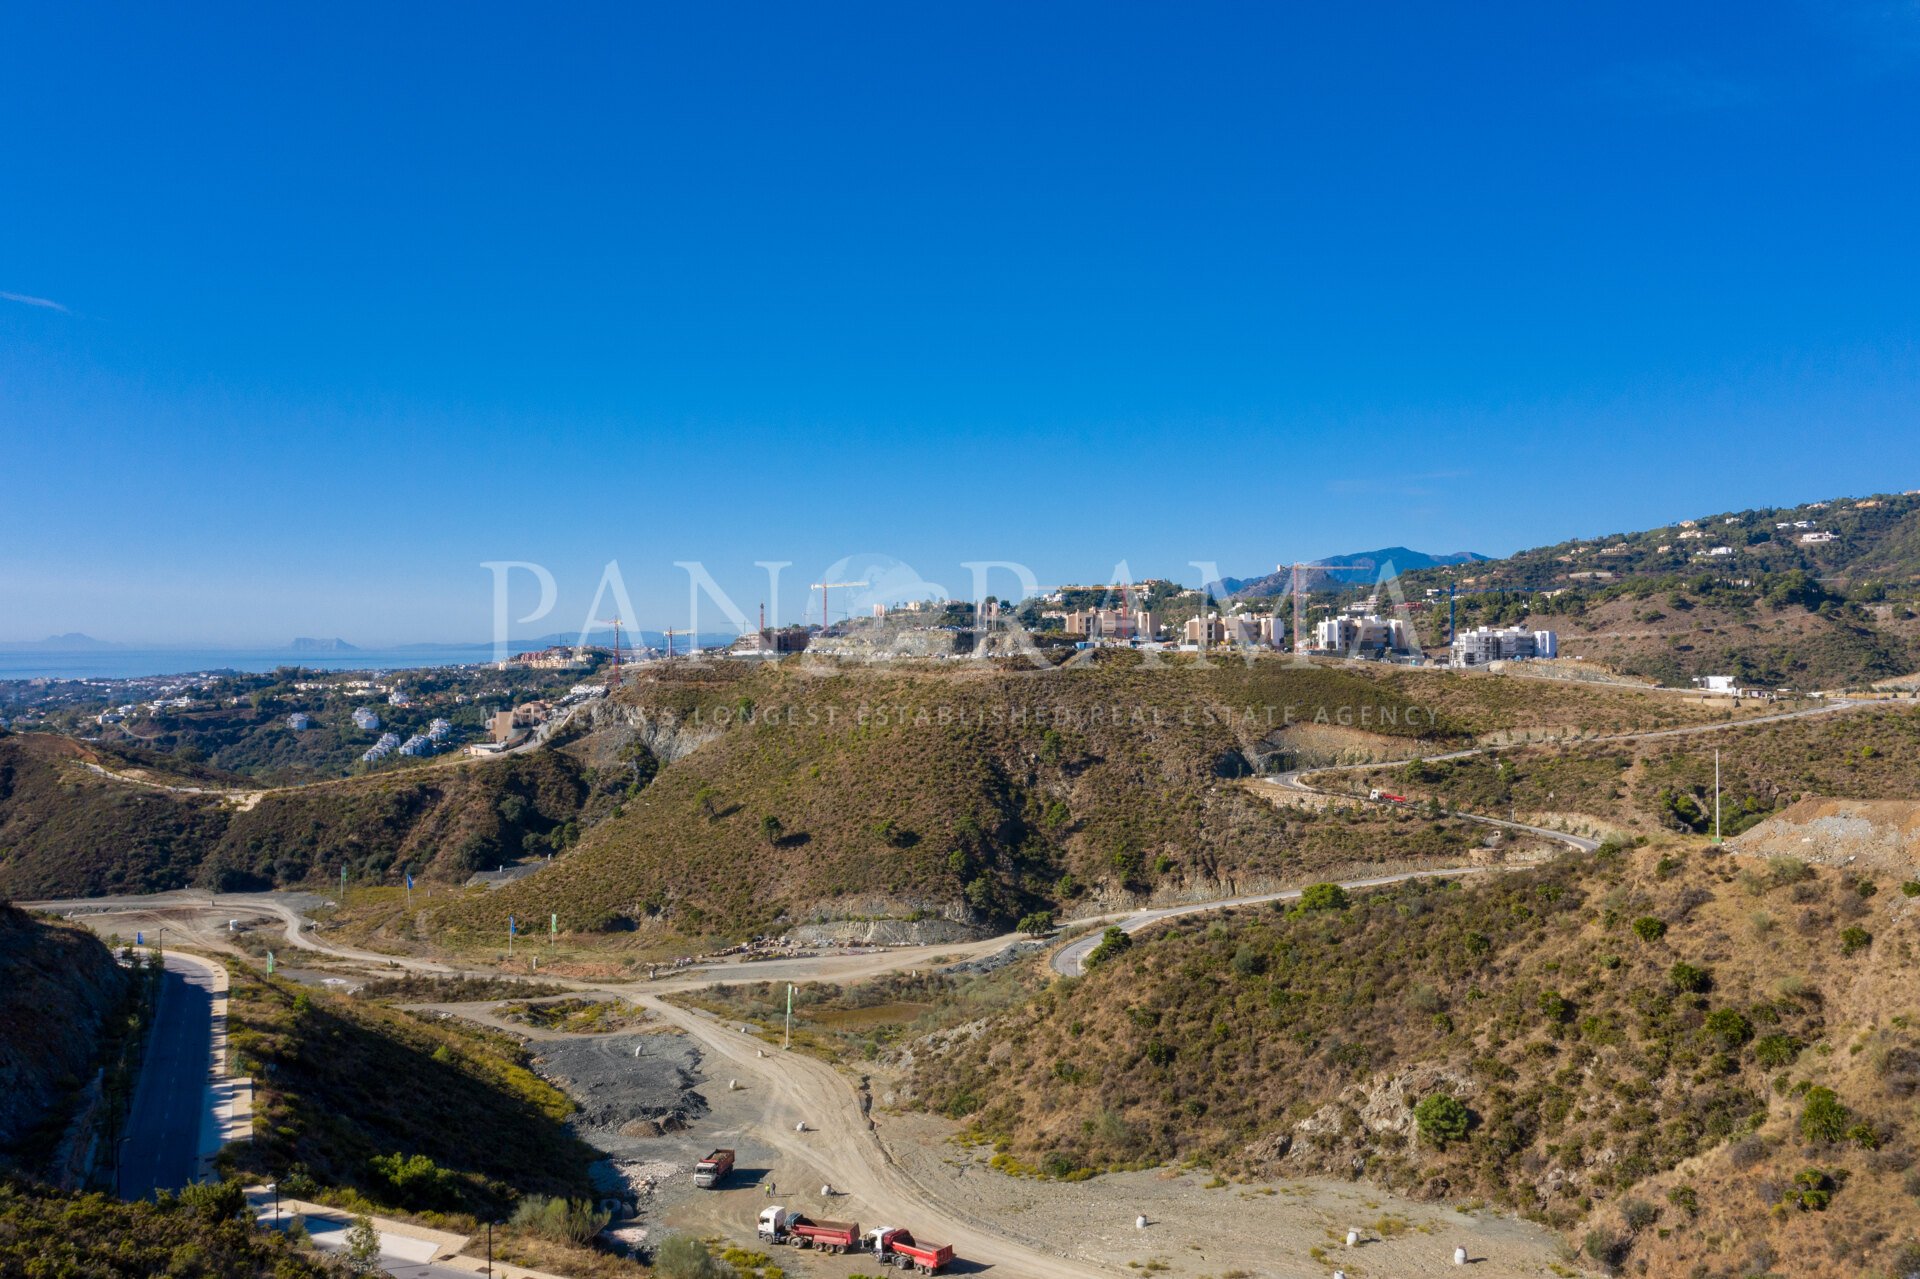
115, 662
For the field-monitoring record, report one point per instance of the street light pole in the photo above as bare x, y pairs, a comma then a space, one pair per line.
489, 1247
1716, 797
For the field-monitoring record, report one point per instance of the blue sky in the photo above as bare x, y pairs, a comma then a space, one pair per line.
349, 299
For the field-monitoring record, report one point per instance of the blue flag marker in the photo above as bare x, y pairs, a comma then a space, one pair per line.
139, 939
409, 881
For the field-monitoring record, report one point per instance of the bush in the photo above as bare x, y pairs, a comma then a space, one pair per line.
683, 1257
1037, 924
1911, 888
1649, 928
1855, 939
574, 1221
1442, 1119
1812, 1191
1685, 977
363, 1248
1824, 1118
1776, 1051
1115, 941
1730, 1027
1249, 962
215, 1200
1322, 897
1639, 1214
1605, 1248
414, 1181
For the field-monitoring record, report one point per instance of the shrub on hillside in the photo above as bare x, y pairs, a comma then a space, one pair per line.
1824, 1118
1115, 941
1442, 1119
1322, 897
1854, 939
1689, 979
683, 1257
1649, 928
574, 1221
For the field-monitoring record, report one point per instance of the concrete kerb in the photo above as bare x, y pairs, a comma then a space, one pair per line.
447, 1245
449, 1248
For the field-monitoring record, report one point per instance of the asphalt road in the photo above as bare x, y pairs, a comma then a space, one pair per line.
172, 1099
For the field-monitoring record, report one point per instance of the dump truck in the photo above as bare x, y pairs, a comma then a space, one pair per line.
709, 1171
777, 1225
892, 1244
1386, 797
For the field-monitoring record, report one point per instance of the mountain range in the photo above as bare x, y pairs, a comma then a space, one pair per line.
1361, 566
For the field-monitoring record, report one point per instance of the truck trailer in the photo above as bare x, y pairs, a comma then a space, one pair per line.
892, 1244
777, 1225
709, 1171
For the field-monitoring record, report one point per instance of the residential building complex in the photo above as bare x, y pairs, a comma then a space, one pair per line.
1485, 644
1368, 633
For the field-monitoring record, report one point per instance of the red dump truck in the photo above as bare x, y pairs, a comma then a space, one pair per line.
891, 1244
780, 1226
708, 1172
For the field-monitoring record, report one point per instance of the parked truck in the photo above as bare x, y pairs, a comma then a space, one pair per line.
709, 1171
892, 1244
777, 1225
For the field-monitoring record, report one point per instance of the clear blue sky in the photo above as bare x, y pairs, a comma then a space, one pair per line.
349, 298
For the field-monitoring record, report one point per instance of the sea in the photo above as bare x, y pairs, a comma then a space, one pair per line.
114, 662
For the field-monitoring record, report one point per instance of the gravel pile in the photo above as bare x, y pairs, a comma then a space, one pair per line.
626, 1085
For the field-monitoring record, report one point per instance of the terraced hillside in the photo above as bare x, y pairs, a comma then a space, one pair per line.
1690, 1062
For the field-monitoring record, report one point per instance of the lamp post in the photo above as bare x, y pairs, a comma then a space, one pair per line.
276, 1203
489, 1247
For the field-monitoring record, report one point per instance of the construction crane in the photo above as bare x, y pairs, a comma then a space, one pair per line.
823, 588
613, 680
670, 633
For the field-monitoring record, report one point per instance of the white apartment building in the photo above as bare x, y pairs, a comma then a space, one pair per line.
1369, 633
1485, 644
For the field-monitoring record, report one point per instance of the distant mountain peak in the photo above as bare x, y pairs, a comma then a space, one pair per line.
1358, 566
336, 645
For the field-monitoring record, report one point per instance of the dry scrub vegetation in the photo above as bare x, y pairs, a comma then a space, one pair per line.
1677, 1057
984, 793
1667, 783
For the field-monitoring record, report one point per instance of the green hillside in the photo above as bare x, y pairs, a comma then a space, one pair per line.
66, 830
976, 791
1731, 594
63, 1003
408, 1114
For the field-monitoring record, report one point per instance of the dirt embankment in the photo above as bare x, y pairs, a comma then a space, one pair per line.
1883, 834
